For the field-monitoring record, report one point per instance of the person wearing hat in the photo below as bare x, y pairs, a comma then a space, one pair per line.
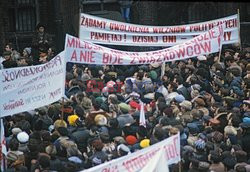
23, 139
144, 143
123, 150
8, 61
124, 118
100, 120
41, 41
15, 158
185, 109
27, 53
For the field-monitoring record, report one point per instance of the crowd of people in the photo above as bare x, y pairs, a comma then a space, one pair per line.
206, 99
40, 51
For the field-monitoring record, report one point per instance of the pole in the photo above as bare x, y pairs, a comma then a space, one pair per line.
179, 166
80, 10
102, 5
62, 114
163, 69
220, 53
238, 16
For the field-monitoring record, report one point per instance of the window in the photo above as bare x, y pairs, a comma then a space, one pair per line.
22, 16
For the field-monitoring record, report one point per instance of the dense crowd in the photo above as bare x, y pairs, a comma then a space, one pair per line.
206, 99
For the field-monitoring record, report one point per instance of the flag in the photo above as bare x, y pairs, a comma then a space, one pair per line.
3, 147
142, 115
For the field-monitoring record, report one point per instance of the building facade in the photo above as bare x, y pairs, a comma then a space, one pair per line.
20, 17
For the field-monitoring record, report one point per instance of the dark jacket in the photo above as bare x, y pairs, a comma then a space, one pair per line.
9, 64
81, 136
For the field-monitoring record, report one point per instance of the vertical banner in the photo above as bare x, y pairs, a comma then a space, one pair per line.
26, 88
104, 31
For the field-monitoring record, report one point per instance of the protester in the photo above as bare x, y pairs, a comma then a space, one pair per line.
203, 99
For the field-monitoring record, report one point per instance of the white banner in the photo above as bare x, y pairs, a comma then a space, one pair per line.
157, 164
104, 31
138, 160
26, 88
79, 51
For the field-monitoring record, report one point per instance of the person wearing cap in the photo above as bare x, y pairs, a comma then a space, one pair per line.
123, 150
124, 118
15, 158
8, 62
27, 53
185, 111
23, 139
41, 41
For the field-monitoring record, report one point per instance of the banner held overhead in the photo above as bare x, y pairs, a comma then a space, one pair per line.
79, 51
104, 31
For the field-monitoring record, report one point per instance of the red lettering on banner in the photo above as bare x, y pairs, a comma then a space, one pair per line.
152, 59
159, 59
197, 49
111, 169
178, 29
169, 39
206, 46
128, 28
93, 23
165, 56
227, 36
87, 56
199, 28
181, 52
71, 42
189, 50
133, 60
145, 39
73, 57
231, 23
142, 59
139, 162
75, 43
171, 150
171, 55
105, 36
111, 59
